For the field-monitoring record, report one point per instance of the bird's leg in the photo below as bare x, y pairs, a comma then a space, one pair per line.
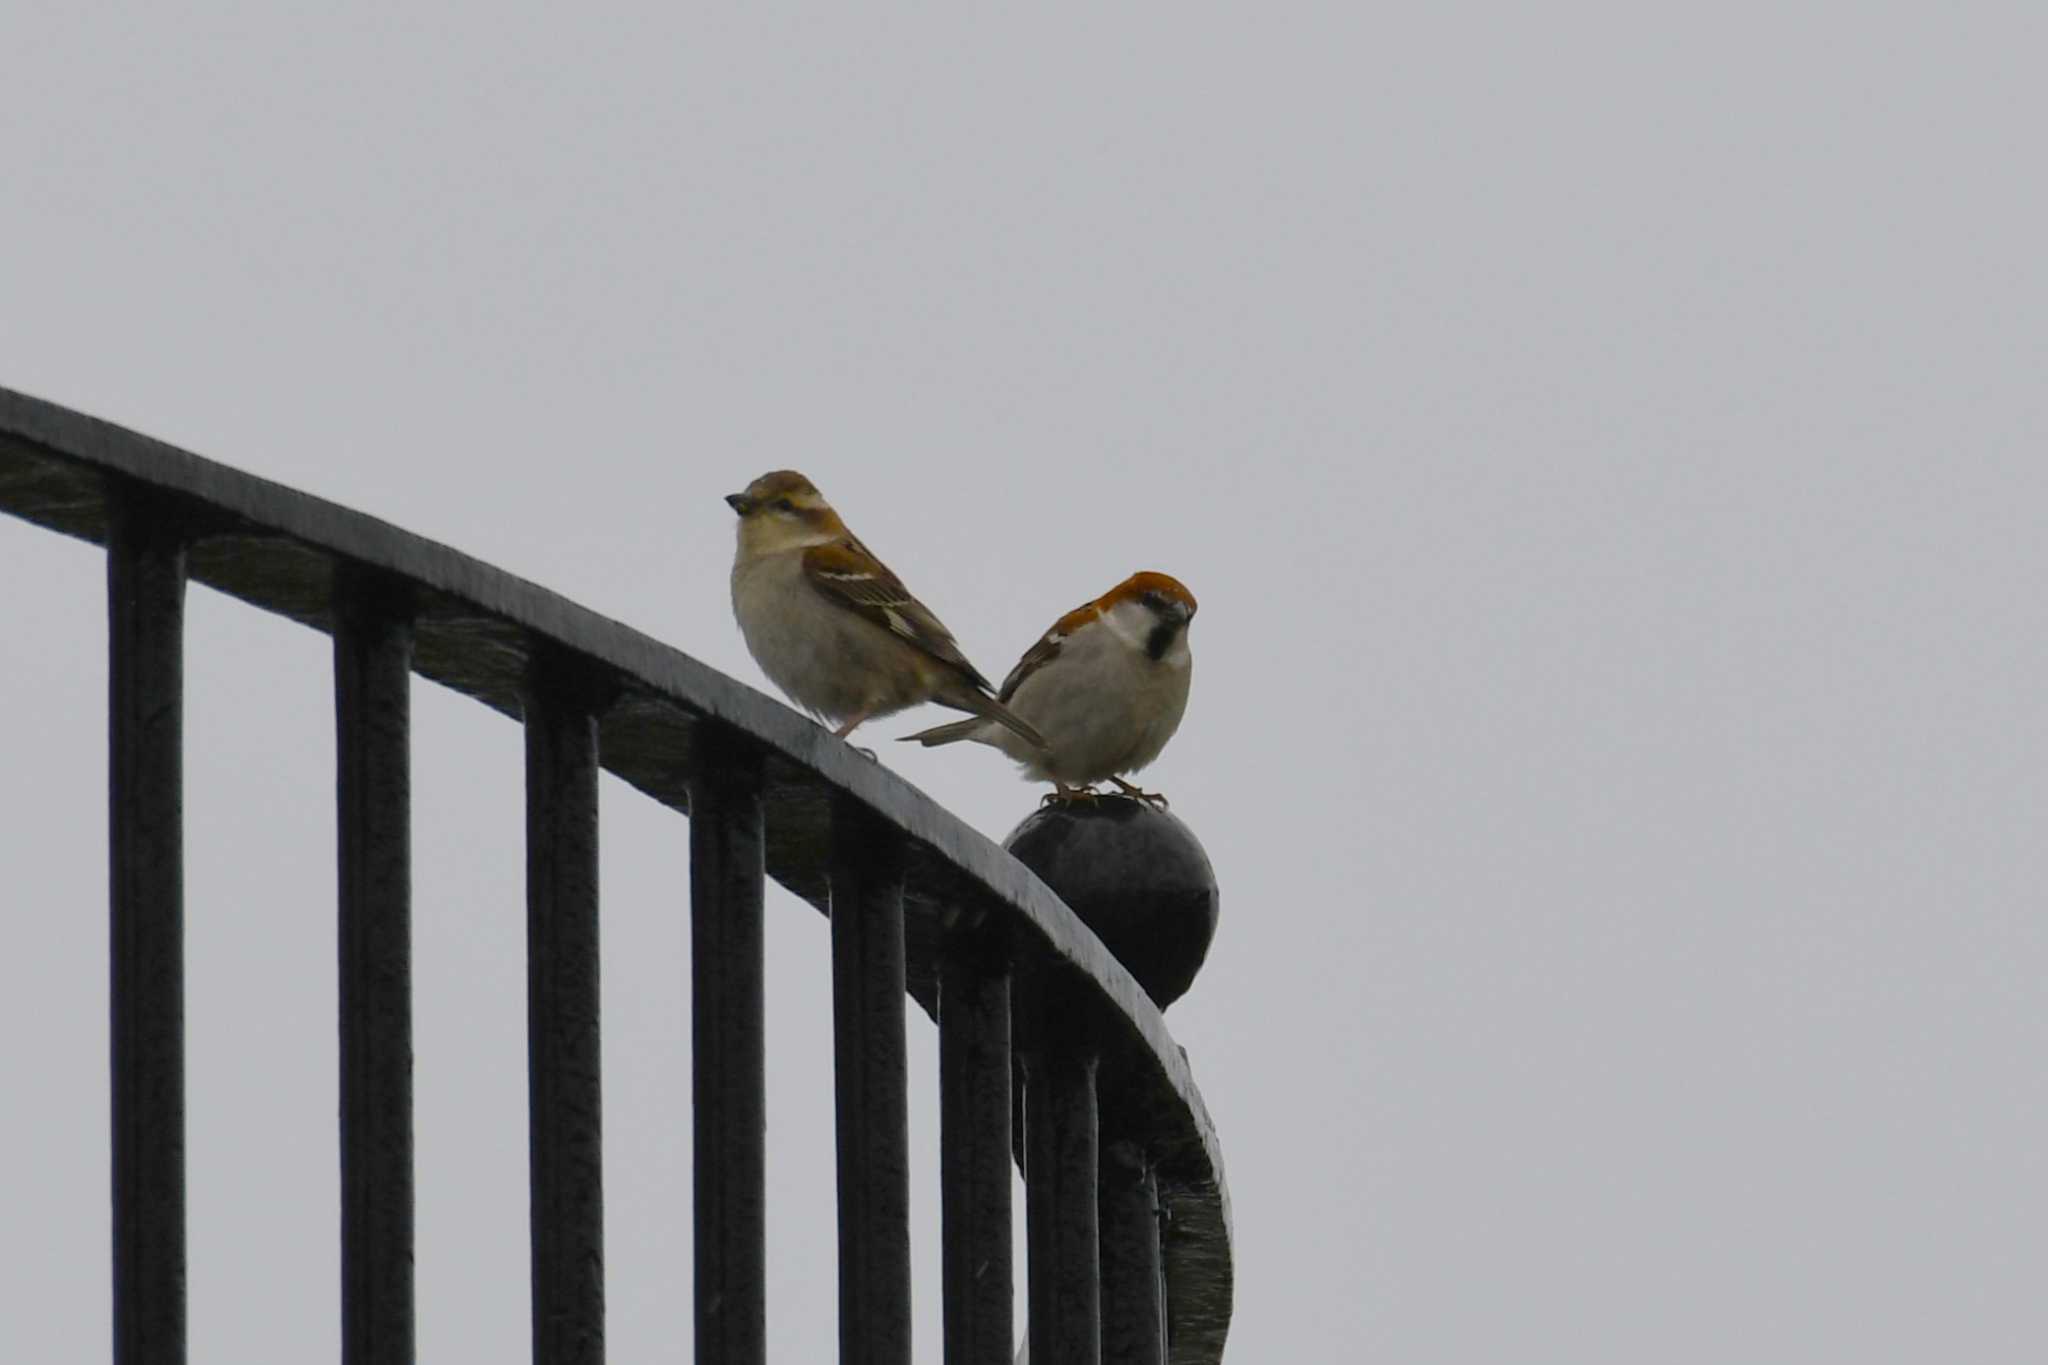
1156, 800
855, 719
843, 731
1061, 794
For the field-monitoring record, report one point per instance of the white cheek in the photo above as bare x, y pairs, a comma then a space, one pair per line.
1128, 623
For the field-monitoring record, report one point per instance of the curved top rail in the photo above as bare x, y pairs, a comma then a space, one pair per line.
477, 629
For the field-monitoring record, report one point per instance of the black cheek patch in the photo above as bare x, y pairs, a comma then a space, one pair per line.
1160, 640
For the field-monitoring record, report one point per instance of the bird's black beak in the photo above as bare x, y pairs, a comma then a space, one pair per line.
739, 502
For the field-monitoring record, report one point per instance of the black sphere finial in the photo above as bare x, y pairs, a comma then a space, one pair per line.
1136, 875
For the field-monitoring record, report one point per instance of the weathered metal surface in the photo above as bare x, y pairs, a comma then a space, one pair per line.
1133, 1290
564, 1105
974, 1151
146, 876
476, 630
729, 1107
1136, 875
373, 803
1061, 1134
871, 1087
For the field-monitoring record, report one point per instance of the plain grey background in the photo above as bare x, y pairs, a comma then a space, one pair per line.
1607, 444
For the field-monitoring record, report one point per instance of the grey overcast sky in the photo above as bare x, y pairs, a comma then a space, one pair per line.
1608, 446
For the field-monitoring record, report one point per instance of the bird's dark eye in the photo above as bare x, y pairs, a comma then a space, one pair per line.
784, 505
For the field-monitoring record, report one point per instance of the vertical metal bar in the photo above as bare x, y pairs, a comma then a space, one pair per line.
1060, 1208
373, 712
872, 1090
1133, 1290
726, 862
145, 797
974, 1154
565, 1129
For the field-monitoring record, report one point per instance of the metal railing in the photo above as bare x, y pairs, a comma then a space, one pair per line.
1127, 1219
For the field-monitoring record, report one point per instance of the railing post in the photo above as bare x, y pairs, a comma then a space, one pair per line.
1060, 1139
1133, 1288
373, 710
146, 1033
566, 1131
728, 1053
871, 1085
974, 1152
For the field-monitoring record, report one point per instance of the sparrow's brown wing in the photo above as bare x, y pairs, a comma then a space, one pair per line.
1046, 650
850, 576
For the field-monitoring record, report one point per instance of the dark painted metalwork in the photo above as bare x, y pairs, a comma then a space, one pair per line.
1136, 875
145, 786
834, 820
872, 1090
726, 1026
1133, 1286
565, 1121
373, 714
974, 1151
1060, 1141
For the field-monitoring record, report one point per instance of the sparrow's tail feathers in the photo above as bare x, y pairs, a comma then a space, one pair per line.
985, 708
950, 733
1003, 716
